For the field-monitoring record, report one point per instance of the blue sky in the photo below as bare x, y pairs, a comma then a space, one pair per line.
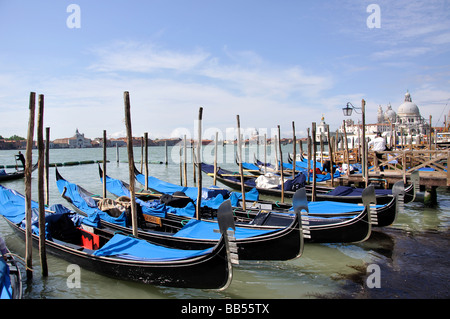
270, 62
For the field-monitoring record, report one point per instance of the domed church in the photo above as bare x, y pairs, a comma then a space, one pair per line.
407, 118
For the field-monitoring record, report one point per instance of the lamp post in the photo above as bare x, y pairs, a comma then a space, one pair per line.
347, 110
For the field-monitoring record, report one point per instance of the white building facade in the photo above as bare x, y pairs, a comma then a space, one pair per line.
407, 122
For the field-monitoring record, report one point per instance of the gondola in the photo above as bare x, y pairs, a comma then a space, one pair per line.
15, 175
350, 195
253, 243
10, 278
383, 215
410, 191
121, 256
352, 227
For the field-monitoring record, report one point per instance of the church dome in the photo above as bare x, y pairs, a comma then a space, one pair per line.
390, 114
408, 108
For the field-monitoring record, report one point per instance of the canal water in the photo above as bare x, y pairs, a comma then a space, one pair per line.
410, 258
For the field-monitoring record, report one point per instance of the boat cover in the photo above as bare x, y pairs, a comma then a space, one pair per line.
137, 249
251, 195
332, 207
53, 214
352, 191
250, 166
12, 205
215, 195
5, 281
205, 230
87, 204
169, 188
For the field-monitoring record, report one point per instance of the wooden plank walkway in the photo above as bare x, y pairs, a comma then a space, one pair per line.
400, 164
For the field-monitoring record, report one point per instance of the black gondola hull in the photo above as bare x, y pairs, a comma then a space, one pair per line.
321, 191
212, 271
261, 247
352, 230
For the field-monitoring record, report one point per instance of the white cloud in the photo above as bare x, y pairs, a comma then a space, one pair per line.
248, 73
143, 58
401, 53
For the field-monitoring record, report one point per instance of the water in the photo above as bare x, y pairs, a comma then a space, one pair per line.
420, 235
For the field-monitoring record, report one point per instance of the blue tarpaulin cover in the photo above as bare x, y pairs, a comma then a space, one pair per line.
324, 207
205, 230
117, 187
57, 211
12, 205
252, 195
87, 204
352, 191
250, 166
5, 281
169, 188
137, 249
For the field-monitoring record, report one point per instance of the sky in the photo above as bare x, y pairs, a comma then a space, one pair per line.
270, 62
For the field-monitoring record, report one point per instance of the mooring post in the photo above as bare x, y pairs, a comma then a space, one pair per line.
104, 164
241, 172
294, 144
199, 161
28, 165
130, 162
430, 196
215, 158
146, 159
41, 198
313, 135
281, 165
47, 153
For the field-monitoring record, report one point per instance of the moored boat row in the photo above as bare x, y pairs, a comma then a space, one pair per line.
195, 241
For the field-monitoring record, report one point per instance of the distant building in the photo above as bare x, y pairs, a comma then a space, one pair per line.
76, 141
406, 120
321, 131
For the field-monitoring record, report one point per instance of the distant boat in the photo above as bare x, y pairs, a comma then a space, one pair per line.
4, 176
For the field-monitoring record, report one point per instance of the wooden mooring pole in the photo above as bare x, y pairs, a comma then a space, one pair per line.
294, 144
47, 165
126, 97
215, 158
41, 198
28, 166
241, 171
199, 161
313, 135
281, 164
104, 164
146, 159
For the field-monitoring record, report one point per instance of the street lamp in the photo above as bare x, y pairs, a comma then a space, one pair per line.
347, 110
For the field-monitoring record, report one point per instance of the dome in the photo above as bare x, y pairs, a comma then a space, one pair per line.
408, 108
390, 114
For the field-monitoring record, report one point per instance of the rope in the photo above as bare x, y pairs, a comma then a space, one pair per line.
184, 221
20, 259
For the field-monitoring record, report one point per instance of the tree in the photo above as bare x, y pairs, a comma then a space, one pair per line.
16, 138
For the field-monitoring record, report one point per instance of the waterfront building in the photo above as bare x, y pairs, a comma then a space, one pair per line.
407, 122
76, 141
